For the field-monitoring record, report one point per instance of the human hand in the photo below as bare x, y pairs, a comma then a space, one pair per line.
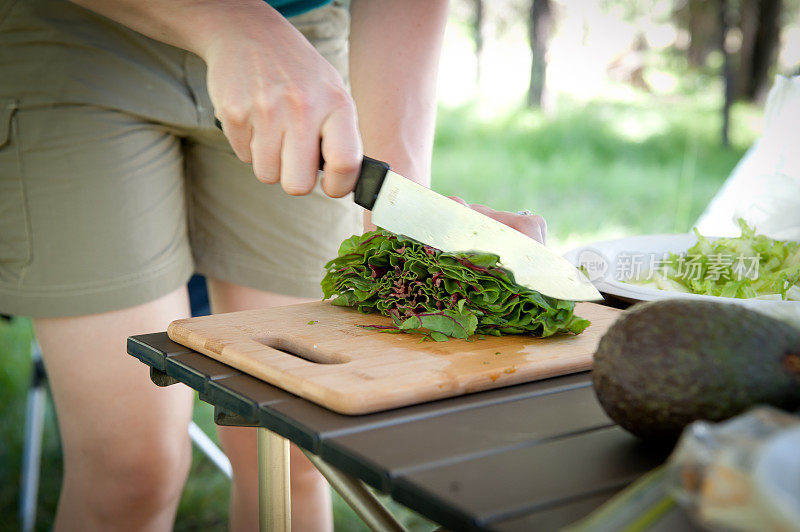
527, 224
277, 98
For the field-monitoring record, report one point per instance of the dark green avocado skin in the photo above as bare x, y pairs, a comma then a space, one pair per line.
667, 363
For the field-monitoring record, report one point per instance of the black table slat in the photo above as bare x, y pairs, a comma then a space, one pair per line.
154, 348
554, 518
674, 520
380, 454
195, 369
243, 394
298, 433
534, 477
316, 423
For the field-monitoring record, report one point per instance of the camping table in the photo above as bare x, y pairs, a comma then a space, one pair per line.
533, 456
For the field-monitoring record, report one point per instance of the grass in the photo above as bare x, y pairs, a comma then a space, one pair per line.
646, 164
595, 170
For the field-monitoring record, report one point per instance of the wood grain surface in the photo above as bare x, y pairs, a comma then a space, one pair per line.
317, 351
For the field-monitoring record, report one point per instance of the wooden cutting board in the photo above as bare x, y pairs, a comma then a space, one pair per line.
316, 351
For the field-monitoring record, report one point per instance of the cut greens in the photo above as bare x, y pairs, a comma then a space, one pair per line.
750, 266
440, 295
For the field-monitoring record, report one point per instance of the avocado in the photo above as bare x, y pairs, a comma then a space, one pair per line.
667, 363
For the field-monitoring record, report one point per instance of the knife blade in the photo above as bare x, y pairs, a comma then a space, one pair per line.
407, 208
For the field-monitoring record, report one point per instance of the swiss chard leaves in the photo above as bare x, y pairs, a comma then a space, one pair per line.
440, 294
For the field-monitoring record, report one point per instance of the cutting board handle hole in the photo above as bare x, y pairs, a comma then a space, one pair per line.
311, 353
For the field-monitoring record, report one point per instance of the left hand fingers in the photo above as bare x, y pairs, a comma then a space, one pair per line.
459, 200
528, 224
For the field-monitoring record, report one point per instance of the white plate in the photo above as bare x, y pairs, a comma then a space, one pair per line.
609, 261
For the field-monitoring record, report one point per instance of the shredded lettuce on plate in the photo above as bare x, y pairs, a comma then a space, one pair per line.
750, 266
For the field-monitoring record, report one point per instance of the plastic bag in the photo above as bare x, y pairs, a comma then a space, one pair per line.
742, 474
764, 188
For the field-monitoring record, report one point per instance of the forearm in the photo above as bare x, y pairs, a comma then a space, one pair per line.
189, 24
394, 59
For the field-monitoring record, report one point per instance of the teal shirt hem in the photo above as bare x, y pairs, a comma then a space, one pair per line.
291, 8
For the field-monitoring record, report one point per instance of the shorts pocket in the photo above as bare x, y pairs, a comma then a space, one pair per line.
14, 241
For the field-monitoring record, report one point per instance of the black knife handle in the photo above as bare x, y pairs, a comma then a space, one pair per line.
369, 182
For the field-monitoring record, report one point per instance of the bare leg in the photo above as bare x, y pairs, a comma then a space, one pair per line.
126, 449
311, 502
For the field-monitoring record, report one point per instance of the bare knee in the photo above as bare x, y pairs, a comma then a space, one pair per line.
138, 479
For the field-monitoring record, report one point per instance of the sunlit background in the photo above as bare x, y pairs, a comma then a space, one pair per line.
596, 49
627, 138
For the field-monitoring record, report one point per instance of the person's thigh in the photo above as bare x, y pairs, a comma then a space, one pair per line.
125, 443
92, 211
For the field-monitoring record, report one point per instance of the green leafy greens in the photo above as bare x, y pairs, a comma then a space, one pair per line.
438, 294
748, 266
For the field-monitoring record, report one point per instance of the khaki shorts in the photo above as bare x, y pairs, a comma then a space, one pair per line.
115, 186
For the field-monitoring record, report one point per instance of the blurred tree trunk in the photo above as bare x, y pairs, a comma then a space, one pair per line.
477, 35
748, 24
764, 50
753, 48
539, 28
727, 71
703, 27
760, 26
746, 70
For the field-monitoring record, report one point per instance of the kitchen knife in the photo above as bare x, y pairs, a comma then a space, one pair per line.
407, 208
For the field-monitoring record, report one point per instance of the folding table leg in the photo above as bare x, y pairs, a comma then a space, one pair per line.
32, 446
358, 497
275, 503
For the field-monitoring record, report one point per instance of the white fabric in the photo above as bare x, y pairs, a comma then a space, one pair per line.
764, 188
